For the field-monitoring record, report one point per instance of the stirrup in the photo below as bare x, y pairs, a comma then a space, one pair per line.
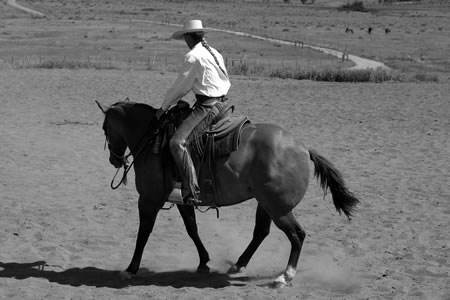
176, 198
190, 200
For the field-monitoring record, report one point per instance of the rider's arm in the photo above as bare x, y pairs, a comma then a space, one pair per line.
183, 84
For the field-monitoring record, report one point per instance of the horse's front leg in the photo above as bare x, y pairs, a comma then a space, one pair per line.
147, 216
188, 214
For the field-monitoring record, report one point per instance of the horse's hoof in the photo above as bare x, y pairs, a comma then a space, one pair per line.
203, 269
234, 270
125, 275
278, 285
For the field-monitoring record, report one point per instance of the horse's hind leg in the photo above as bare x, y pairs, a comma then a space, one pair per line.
261, 231
188, 214
296, 235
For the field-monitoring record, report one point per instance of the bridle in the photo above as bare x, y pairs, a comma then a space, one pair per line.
121, 157
125, 164
124, 158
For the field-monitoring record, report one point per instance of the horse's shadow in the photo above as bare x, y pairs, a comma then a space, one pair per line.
91, 276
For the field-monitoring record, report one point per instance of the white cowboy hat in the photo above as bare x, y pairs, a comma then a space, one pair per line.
189, 26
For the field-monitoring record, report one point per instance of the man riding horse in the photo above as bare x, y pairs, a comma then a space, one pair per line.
270, 164
203, 72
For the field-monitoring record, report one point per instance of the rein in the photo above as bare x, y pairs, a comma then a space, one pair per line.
126, 169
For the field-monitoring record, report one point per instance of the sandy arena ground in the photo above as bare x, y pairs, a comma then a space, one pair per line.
66, 235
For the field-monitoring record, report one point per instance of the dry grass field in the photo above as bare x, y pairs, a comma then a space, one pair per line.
65, 234
418, 43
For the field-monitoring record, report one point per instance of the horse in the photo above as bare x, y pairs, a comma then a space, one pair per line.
349, 30
269, 165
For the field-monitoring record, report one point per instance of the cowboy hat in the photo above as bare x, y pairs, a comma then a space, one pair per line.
189, 27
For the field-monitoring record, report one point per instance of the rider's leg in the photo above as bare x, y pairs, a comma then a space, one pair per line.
180, 153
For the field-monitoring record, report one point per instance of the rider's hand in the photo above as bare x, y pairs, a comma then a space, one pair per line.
159, 113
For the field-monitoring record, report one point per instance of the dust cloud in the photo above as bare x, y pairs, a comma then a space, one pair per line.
322, 271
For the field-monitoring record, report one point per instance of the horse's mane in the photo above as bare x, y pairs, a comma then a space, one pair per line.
139, 112
130, 104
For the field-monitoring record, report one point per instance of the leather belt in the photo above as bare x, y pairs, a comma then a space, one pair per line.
203, 98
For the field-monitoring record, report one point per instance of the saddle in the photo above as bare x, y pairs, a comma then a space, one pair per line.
215, 137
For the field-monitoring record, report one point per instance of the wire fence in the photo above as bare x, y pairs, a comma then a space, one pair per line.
167, 63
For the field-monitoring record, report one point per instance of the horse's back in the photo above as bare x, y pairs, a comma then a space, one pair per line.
270, 165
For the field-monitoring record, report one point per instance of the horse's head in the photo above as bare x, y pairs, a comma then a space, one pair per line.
113, 127
127, 124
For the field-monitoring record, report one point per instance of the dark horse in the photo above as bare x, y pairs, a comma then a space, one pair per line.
270, 166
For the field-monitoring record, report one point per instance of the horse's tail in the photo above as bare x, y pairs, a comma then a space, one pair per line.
330, 178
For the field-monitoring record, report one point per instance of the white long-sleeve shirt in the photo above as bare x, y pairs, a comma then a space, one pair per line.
199, 74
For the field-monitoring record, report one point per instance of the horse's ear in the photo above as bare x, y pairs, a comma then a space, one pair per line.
102, 108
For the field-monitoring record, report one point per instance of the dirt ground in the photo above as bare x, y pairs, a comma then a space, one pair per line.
65, 234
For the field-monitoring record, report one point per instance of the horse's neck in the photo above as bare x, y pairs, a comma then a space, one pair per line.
136, 124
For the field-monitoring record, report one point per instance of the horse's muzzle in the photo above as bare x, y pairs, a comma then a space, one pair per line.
116, 161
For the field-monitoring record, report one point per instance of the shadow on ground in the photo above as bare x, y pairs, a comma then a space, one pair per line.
95, 277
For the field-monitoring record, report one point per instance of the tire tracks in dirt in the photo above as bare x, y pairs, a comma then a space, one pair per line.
25, 9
